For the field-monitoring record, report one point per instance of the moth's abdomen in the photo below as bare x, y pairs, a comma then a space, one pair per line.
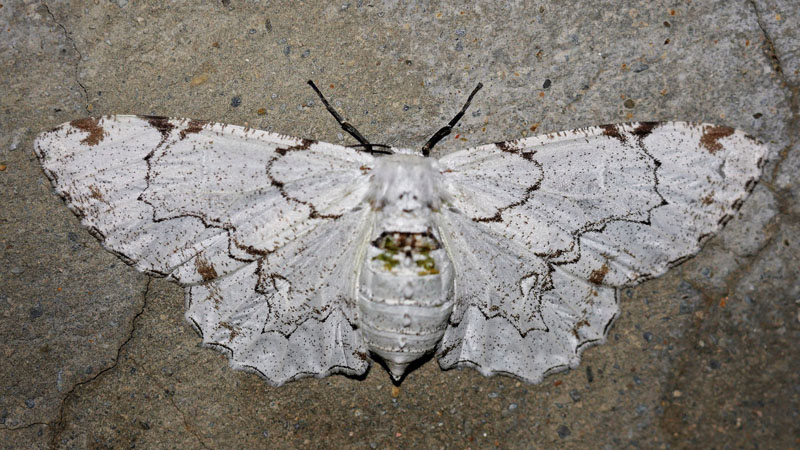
405, 297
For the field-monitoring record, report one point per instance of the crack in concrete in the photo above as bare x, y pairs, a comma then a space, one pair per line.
793, 99
168, 396
676, 378
24, 427
77, 62
59, 425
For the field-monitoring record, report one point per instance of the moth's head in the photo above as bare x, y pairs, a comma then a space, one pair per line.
405, 183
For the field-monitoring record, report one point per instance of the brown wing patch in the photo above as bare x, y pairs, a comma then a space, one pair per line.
95, 193
205, 269
644, 129
578, 326
613, 132
92, 126
194, 127
711, 137
161, 124
598, 275
233, 331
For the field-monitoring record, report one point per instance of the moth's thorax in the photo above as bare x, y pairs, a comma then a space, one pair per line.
405, 292
404, 190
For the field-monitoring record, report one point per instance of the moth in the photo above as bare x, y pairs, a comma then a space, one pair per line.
303, 258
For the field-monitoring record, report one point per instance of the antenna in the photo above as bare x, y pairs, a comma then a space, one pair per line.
445, 130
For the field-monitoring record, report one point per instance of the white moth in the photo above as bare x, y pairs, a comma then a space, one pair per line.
303, 258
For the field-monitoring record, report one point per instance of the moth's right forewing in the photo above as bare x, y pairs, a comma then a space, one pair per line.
608, 206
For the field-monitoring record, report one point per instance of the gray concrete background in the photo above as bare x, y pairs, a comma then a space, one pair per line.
95, 354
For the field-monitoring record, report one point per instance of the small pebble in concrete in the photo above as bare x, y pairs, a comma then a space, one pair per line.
236, 101
546, 84
563, 431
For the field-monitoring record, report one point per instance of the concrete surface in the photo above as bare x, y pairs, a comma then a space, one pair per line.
96, 355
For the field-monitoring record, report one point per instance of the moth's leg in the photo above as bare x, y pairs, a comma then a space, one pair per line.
344, 124
444, 131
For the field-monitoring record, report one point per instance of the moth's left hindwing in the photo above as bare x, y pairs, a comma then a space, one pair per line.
205, 204
596, 209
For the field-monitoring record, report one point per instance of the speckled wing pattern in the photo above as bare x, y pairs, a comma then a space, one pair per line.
225, 211
544, 230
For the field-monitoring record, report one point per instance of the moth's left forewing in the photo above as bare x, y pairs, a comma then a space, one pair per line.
260, 228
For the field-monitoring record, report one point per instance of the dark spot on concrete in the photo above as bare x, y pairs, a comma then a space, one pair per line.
598, 275
35, 312
546, 84
708, 199
648, 336
711, 137
92, 126
613, 132
563, 431
268, 25
205, 269
629, 103
589, 374
757, 115
236, 101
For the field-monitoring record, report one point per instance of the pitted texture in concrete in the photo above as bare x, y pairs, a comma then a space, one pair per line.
95, 354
